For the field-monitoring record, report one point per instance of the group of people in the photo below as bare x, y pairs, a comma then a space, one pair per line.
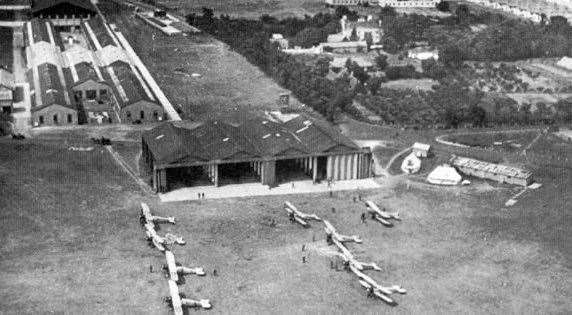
200, 195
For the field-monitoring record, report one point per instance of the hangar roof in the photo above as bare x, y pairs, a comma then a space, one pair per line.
38, 5
252, 138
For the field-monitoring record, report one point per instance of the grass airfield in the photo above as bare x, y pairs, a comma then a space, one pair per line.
73, 244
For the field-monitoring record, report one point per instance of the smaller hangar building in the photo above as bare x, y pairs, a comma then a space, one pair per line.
270, 150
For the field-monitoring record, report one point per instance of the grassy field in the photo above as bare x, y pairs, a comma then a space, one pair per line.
227, 82
413, 84
72, 244
249, 8
513, 141
6, 53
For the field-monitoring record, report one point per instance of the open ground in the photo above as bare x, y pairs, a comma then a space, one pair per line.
223, 82
249, 8
72, 241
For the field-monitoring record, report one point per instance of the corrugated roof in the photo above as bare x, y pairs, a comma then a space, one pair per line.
39, 31
490, 167
51, 88
133, 91
249, 139
15, 2
38, 5
100, 31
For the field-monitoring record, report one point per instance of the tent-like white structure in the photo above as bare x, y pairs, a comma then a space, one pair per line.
444, 175
411, 164
566, 63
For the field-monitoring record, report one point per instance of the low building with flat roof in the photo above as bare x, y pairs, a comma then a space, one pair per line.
497, 172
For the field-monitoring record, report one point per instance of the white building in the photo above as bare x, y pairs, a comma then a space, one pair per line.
409, 3
423, 53
344, 2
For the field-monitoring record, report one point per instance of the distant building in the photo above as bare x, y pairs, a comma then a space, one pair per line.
423, 53
134, 100
497, 172
7, 88
421, 149
340, 62
411, 164
362, 28
280, 40
344, 2
345, 47
409, 3
64, 13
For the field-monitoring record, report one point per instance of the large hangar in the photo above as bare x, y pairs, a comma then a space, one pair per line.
272, 150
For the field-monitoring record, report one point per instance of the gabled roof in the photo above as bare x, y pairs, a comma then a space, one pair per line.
39, 31
100, 31
247, 139
15, 2
129, 83
51, 88
39, 5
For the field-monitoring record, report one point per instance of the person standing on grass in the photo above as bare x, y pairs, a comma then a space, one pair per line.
363, 217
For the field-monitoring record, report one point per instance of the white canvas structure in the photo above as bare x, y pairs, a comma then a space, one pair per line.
411, 164
565, 63
444, 175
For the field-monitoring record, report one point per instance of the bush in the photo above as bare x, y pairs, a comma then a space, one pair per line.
401, 72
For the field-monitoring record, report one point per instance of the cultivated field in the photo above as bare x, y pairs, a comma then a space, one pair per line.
198, 74
72, 242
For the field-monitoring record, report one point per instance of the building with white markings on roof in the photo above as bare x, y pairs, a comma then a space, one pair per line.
271, 150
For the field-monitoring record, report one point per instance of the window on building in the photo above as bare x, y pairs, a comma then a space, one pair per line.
142, 115
41, 120
90, 94
155, 115
102, 93
70, 118
55, 118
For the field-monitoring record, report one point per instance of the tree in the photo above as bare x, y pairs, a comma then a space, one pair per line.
477, 116
354, 36
374, 84
462, 13
433, 69
208, 14
322, 66
443, 6
387, 11
368, 39
359, 73
452, 55
390, 44
380, 62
